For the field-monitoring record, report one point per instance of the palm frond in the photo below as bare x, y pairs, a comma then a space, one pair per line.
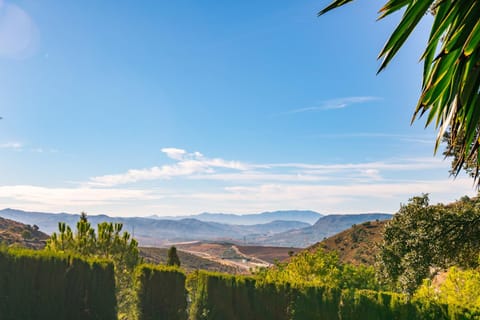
451, 73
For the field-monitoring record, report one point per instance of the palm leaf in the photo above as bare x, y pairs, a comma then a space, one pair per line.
451, 73
334, 5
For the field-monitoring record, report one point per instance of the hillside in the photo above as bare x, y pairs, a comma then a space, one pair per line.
356, 245
13, 232
268, 254
189, 262
162, 232
243, 258
323, 228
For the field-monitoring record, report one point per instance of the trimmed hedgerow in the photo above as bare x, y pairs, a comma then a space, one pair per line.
41, 285
221, 296
218, 296
160, 293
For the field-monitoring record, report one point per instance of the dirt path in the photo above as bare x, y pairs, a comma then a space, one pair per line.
242, 265
253, 260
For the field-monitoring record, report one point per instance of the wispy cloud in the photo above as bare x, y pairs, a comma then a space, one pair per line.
422, 139
198, 167
69, 196
383, 196
235, 186
406, 164
334, 104
372, 135
11, 145
347, 198
18, 146
188, 164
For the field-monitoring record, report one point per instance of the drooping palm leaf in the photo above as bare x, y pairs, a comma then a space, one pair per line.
451, 76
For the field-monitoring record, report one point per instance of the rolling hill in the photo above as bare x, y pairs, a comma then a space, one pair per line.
16, 233
323, 228
356, 245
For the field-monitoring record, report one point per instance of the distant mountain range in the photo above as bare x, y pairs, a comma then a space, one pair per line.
151, 231
307, 216
325, 227
278, 228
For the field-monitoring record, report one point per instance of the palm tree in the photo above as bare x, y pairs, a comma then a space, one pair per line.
451, 75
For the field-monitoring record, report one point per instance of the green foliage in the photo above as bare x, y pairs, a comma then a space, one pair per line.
422, 239
313, 302
220, 296
41, 285
172, 257
160, 293
451, 77
108, 243
461, 288
26, 235
320, 268
217, 296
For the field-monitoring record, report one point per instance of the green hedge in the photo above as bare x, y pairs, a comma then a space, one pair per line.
218, 296
315, 303
40, 285
160, 293
372, 305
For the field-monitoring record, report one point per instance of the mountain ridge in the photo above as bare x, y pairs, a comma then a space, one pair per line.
307, 216
157, 231
161, 232
325, 227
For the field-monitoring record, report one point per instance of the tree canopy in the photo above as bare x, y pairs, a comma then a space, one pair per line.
109, 243
320, 268
451, 73
422, 239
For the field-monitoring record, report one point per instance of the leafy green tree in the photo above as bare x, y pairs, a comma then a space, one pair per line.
451, 74
461, 288
172, 257
422, 239
322, 269
109, 243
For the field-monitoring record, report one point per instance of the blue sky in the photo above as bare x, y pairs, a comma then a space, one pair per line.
180, 107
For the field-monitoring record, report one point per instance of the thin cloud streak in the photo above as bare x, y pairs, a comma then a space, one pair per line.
334, 104
420, 139
12, 145
371, 135
68, 196
299, 192
411, 164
